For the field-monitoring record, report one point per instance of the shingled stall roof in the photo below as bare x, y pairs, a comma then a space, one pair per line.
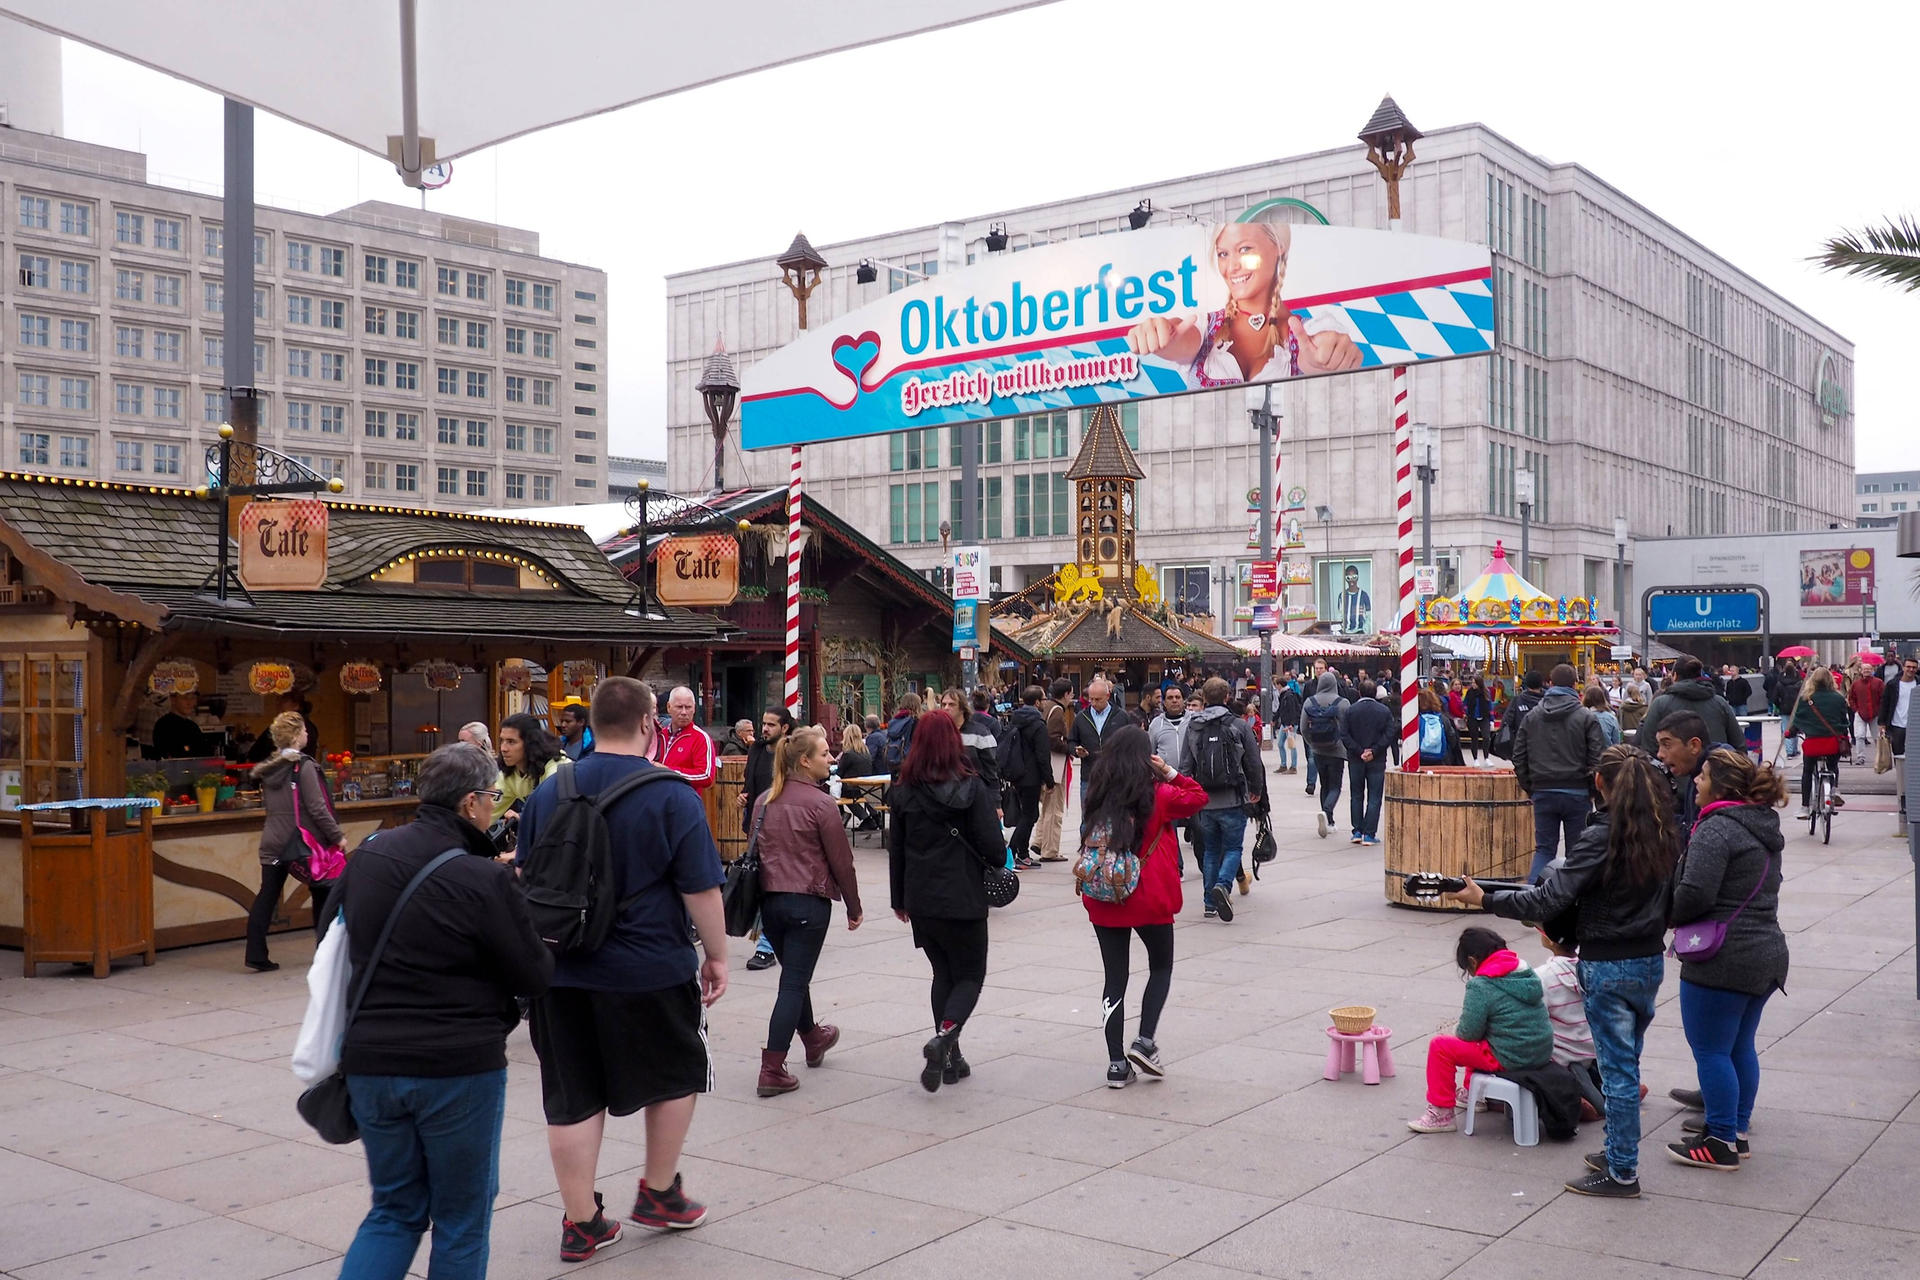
142, 552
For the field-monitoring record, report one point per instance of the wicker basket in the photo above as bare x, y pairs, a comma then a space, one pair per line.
1353, 1020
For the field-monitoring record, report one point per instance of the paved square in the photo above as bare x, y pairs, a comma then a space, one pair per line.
147, 1125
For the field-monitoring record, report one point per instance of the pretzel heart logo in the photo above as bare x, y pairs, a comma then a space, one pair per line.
856, 356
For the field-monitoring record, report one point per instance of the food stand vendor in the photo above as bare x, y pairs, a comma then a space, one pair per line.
177, 735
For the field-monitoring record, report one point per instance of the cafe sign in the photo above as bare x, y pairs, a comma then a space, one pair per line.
283, 545
698, 571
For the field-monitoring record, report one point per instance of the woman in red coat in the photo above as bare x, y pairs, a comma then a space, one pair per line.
1133, 799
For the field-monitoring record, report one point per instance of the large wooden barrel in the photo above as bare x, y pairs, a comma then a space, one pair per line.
1457, 822
723, 807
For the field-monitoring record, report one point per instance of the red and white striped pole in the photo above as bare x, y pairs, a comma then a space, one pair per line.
793, 585
1403, 509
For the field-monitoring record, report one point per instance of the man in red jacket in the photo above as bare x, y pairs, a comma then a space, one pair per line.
684, 746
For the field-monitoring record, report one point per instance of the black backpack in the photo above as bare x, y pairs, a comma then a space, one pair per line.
1219, 757
1322, 725
1011, 755
899, 740
567, 877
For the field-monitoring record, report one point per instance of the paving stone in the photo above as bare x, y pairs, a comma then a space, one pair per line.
1822, 1250
246, 1178
1302, 1239
90, 1215
956, 1109
971, 1174
838, 1230
1083, 1135
25, 1178
1401, 1184
1514, 1259
1011, 1251
1725, 1239
817, 1147
127, 1153
1160, 1215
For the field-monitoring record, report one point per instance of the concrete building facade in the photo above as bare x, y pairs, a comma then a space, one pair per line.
1638, 375
423, 359
1880, 496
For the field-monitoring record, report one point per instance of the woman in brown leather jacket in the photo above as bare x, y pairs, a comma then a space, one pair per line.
805, 863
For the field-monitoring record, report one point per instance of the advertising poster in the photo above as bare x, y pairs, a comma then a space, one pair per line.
1162, 311
1836, 583
969, 572
1345, 592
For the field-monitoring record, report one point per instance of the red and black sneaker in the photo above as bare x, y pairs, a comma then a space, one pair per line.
579, 1240
1706, 1152
668, 1210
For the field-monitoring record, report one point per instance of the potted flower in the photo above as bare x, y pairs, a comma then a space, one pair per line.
751, 591
206, 789
229, 784
813, 595
152, 785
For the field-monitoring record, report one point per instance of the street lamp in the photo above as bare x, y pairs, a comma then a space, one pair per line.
1426, 465
1523, 494
1620, 574
1267, 423
1324, 514
719, 388
946, 556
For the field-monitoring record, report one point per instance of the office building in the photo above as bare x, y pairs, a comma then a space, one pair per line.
1639, 374
420, 358
1880, 496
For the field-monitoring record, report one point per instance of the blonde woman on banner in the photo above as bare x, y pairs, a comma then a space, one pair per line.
1238, 342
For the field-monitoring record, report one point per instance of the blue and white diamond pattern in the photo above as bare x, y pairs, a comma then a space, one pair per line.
1420, 324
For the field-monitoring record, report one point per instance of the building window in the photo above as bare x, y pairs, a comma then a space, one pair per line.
990, 507
36, 331
476, 335
129, 228
299, 416
166, 234
166, 403
166, 347
516, 486
76, 452
543, 394
476, 385
214, 302
375, 426
406, 325
543, 297
299, 362
299, 256
406, 275
34, 211
592, 388
406, 375
129, 399
76, 219
543, 439
447, 481
446, 380
543, 346
477, 286
516, 341
516, 389
447, 331
35, 272
166, 290
476, 433
543, 488
376, 372
332, 469
406, 477
166, 459
516, 437
129, 455
213, 407
477, 482
586, 295
76, 393
374, 271
448, 430
447, 282
35, 447
582, 319
299, 309
914, 512
586, 435
516, 292
585, 459
214, 243
406, 426
333, 313
333, 262
375, 475
34, 390
376, 321
76, 277
260, 300
333, 419
76, 335
262, 247
128, 286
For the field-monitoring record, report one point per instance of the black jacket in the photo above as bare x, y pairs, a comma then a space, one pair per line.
1701, 698
1557, 1095
758, 780
1031, 725
1371, 725
1558, 745
1890, 702
1618, 920
981, 737
941, 837
1084, 734
1286, 713
441, 1001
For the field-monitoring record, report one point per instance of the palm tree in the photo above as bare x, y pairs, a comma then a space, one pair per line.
1890, 252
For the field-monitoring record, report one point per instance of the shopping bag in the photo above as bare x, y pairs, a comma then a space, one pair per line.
316, 1053
1883, 753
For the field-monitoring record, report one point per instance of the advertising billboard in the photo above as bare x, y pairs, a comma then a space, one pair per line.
1835, 583
1107, 319
1345, 595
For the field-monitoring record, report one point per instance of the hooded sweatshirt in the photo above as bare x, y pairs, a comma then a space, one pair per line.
1326, 694
941, 837
1699, 697
1245, 786
1506, 1006
1558, 745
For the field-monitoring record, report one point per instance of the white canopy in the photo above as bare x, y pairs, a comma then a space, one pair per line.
1286, 646
455, 76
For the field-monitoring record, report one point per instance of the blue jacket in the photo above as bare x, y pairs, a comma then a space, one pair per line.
1370, 725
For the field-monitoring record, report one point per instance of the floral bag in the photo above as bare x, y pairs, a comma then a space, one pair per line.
1102, 872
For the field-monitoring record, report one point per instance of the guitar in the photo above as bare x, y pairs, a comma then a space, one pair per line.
1431, 884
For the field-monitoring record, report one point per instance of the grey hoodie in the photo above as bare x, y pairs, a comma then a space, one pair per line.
1247, 786
1326, 693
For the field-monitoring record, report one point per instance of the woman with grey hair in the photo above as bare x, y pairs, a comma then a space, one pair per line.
425, 1058
476, 733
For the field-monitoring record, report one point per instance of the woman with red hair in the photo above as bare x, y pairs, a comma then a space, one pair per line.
944, 832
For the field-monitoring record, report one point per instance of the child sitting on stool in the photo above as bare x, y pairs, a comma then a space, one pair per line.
1503, 1024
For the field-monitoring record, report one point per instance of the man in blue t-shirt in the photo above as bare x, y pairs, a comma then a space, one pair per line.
623, 1029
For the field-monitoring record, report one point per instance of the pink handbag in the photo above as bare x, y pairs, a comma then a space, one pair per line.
323, 863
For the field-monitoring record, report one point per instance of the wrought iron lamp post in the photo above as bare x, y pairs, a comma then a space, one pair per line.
719, 389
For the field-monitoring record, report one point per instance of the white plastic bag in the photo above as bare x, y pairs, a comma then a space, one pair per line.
316, 1054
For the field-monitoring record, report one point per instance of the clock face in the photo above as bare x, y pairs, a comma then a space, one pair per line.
1126, 502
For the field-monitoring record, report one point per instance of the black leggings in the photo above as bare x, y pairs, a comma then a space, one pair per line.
266, 903
796, 925
957, 950
1477, 738
1115, 956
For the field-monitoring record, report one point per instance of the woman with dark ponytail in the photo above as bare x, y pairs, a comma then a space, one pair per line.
1729, 882
1615, 879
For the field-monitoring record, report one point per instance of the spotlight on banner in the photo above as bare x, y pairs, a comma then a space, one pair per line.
997, 238
1141, 215
865, 273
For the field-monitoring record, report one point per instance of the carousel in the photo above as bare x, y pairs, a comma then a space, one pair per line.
1521, 626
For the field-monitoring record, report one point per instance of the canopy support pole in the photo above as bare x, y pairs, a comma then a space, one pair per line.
1407, 640
409, 161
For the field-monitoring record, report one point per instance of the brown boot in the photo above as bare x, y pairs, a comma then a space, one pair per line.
818, 1041
774, 1076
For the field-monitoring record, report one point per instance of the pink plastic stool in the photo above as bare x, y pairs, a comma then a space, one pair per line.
1376, 1057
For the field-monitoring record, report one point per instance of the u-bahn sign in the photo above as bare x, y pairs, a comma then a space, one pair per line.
1133, 316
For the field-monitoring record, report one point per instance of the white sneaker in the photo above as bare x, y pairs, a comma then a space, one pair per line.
1803, 815
1321, 818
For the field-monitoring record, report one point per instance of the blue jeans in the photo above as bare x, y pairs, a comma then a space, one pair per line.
1619, 996
1289, 750
433, 1156
1313, 766
1366, 780
1332, 769
1554, 811
1720, 1027
1218, 836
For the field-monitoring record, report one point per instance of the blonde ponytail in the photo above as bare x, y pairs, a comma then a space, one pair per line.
796, 746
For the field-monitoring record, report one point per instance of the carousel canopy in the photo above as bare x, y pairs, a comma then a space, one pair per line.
1286, 646
1501, 602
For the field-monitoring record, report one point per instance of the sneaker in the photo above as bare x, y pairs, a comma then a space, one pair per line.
579, 1240
760, 960
1803, 815
1325, 826
262, 966
1688, 1098
1698, 1128
1603, 1183
1705, 1152
1025, 864
1222, 904
1369, 841
1433, 1120
668, 1210
1209, 914
1119, 1075
1145, 1054
1356, 838
1309, 788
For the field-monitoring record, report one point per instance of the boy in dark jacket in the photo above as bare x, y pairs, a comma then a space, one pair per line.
1213, 741
1368, 733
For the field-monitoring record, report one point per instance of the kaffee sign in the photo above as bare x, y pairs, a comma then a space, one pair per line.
699, 571
283, 545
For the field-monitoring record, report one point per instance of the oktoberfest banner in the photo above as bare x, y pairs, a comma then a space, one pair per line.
1131, 316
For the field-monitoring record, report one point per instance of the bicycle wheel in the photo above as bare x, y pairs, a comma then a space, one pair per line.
1819, 802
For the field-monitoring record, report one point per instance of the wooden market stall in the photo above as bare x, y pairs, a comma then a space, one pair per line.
115, 651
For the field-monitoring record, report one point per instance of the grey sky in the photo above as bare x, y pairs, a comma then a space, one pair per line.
1753, 128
